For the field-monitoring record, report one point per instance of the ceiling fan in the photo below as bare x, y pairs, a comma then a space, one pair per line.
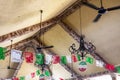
101, 10
41, 46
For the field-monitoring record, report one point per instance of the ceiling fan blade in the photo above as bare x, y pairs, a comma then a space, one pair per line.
90, 5
97, 18
44, 47
113, 8
14, 69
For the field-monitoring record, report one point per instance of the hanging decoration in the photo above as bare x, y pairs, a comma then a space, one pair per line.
118, 69
89, 60
33, 75
38, 72
82, 66
99, 63
39, 59
28, 57
48, 59
56, 59
84, 47
41, 77
16, 55
110, 67
63, 60
22, 78
15, 78
2, 53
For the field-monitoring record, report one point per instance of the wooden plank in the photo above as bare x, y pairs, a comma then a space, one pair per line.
63, 65
96, 74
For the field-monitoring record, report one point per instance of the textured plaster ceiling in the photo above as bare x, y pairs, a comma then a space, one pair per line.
104, 34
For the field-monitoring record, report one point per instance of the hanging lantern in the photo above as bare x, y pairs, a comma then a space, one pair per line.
42, 76
82, 66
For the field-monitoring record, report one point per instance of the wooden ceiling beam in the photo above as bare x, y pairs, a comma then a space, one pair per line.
63, 65
24, 31
73, 34
96, 74
35, 27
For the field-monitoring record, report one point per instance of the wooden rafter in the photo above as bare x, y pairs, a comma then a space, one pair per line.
63, 65
96, 74
35, 27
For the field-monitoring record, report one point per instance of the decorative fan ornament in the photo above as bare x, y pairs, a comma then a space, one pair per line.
101, 10
82, 66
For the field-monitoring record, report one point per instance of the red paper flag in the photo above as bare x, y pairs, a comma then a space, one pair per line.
61, 78
32, 75
15, 78
56, 59
109, 67
74, 58
29, 57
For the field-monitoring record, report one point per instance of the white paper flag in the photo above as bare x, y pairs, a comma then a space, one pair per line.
8, 79
48, 59
99, 63
69, 60
28, 77
16, 55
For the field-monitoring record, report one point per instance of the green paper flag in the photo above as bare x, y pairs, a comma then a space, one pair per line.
118, 69
89, 60
63, 60
38, 72
47, 73
2, 53
40, 59
22, 78
78, 57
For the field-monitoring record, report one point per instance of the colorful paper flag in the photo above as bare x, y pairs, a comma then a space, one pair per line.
40, 59
2, 53
41, 77
16, 55
82, 66
74, 59
29, 57
22, 78
15, 78
61, 78
32, 75
89, 60
78, 57
69, 60
38, 72
47, 73
99, 63
48, 59
118, 69
28, 77
63, 60
56, 59
109, 67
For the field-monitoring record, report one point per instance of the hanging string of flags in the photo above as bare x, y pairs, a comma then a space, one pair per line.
33, 75
16, 56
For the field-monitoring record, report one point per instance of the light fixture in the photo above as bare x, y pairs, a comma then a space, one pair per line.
84, 47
